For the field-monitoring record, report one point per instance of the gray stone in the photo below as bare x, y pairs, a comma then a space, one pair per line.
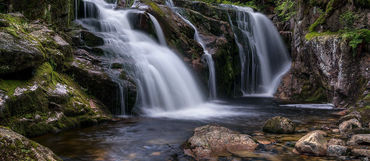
313, 143
336, 150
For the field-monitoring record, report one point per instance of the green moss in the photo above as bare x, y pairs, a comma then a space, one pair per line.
322, 18
155, 7
318, 96
285, 9
312, 35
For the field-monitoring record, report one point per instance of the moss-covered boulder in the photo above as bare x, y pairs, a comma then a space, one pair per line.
18, 51
279, 125
48, 102
17, 147
24, 46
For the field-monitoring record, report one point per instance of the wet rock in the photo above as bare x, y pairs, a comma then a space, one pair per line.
280, 125
352, 115
334, 141
88, 72
336, 150
212, 141
16, 147
312, 143
18, 54
348, 125
91, 39
361, 152
359, 139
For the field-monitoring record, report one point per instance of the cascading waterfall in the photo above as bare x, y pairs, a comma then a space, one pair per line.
207, 56
164, 83
264, 58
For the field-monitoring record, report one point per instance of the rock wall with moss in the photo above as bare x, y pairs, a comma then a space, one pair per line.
330, 51
36, 95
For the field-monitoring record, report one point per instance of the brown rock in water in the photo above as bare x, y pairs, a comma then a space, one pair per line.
336, 150
334, 141
210, 142
361, 152
280, 125
348, 125
359, 139
313, 143
14, 146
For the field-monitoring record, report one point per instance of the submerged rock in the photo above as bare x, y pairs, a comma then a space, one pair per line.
280, 125
312, 143
17, 147
213, 141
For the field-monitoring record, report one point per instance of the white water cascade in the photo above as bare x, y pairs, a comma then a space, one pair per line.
164, 83
207, 56
263, 55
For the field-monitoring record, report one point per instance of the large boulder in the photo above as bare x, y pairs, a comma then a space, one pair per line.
313, 143
16, 147
209, 142
18, 51
280, 125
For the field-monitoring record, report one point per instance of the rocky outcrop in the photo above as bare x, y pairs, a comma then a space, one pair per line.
42, 100
359, 139
279, 125
327, 67
90, 74
16, 147
347, 126
214, 30
312, 143
210, 142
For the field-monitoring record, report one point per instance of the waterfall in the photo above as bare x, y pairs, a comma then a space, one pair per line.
158, 30
263, 55
207, 56
163, 81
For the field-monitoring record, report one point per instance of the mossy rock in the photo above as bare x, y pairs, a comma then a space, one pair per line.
279, 125
16, 147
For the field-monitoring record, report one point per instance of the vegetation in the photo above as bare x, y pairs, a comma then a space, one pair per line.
322, 18
285, 9
347, 19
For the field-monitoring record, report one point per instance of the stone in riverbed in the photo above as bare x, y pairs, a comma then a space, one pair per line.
16, 147
336, 150
352, 115
334, 141
348, 125
313, 143
359, 139
361, 152
280, 125
210, 142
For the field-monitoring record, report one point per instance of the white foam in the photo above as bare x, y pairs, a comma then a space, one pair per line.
201, 112
311, 106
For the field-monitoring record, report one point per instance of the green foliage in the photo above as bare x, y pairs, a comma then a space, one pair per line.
285, 9
312, 35
322, 18
356, 38
347, 19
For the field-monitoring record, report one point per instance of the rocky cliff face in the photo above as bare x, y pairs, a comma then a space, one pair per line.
328, 66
